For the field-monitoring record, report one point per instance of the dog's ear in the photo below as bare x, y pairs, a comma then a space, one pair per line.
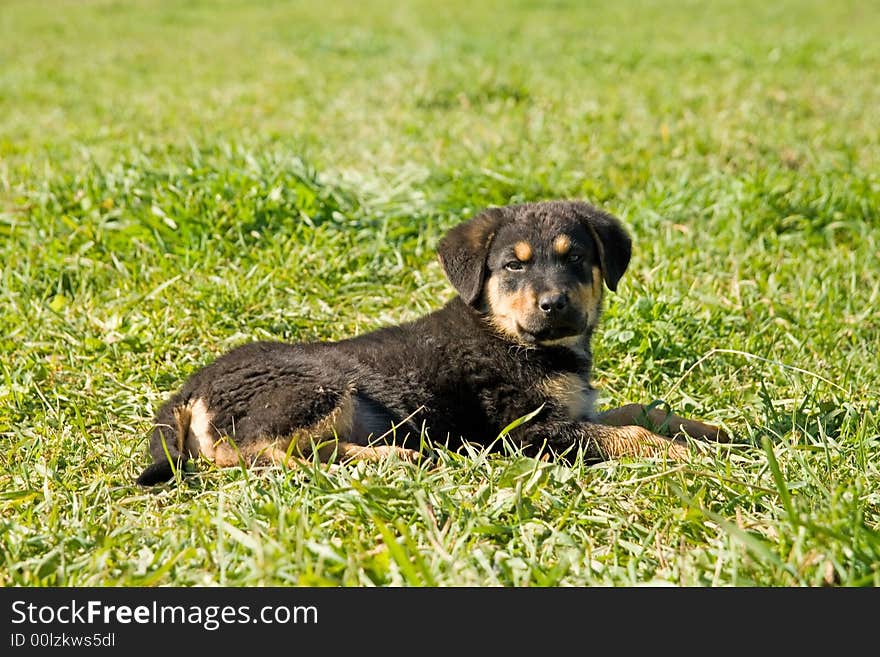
463, 252
612, 240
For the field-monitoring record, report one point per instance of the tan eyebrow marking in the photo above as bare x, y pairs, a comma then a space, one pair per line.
523, 251
562, 245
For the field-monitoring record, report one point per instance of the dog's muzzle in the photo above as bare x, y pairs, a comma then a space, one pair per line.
551, 326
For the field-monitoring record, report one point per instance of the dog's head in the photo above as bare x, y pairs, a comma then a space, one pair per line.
537, 269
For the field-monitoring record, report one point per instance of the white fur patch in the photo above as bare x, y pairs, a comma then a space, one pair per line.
201, 436
573, 394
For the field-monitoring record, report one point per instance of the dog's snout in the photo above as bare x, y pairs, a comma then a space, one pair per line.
551, 302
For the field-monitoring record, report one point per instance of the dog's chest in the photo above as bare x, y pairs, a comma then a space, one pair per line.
571, 394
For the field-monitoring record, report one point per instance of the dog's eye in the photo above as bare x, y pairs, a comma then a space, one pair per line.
575, 257
514, 265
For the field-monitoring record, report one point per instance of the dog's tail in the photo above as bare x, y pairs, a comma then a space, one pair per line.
167, 444
156, 473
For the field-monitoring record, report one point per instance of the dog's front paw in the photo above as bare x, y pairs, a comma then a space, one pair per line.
695, 429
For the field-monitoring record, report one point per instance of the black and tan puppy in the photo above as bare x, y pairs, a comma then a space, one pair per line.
517, 338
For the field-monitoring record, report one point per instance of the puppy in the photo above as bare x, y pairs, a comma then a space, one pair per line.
514, 342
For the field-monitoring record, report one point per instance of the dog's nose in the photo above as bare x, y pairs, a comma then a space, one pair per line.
550, 302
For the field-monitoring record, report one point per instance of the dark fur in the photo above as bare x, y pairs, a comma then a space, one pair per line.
452, 371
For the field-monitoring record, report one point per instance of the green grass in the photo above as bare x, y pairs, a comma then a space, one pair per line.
177, 178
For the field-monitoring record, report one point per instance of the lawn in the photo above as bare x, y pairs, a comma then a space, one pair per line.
177, 178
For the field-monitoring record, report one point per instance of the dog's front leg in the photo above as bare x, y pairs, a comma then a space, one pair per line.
603, 441
630, 440
657, 419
